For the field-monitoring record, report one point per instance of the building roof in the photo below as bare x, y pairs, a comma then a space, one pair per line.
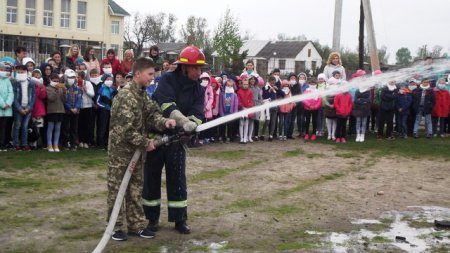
169, 47
283, 49
253, 47
116, 9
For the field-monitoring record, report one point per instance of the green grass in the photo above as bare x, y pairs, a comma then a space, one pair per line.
294, 153
296, 245
221, 155
245, 203
380, 239
410, 148
285, 210
420, 224
223, 172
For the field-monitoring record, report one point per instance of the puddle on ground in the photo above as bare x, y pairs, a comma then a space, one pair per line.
212, 247
411, 231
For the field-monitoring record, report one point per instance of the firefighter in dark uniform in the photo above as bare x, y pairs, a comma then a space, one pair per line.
181, 97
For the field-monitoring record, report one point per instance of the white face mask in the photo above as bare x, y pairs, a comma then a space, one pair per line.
301, 82
37, 80
4, 74
70, 81
391, 87
204, 83
96, 80
53, 84
21, 77
85, 72
286, 90
441, 86
292, 82
229, 89
107, 71
108, 83
412, 87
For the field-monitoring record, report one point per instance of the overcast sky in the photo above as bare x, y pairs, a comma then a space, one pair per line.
398, 23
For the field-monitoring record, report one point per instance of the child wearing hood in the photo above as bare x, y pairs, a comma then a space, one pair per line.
257, 99
24, 99
205, 82
441, 108
271, 93
285, 110
321, 86
72, 106
228, 104
311, 109
39, 106
104, 102
343, 105
56, 96
423, 103
6, 102
361, 110
387, 110
303, 86
85, 121
245, 98
403, 105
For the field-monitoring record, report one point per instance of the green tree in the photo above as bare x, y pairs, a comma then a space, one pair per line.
349, 60
436, 52
422, 52
324, 51
227, 42
403, 56
143, 30
283, 36
383, 56
195, 32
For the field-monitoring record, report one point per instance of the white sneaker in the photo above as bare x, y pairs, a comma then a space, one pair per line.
357, 138
329, 137
333, 138
86, 145
50, 148
361, 138
250, 140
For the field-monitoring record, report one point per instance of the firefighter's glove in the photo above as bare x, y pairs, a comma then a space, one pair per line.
183, 121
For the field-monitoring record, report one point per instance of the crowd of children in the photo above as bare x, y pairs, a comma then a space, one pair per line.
69, 104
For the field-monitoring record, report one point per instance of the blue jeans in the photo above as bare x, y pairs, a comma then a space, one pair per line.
403, 125
428, 124
21, 126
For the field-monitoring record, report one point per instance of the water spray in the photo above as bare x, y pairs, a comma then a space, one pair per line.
442, 66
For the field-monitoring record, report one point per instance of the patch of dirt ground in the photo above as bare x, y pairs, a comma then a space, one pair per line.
256, 197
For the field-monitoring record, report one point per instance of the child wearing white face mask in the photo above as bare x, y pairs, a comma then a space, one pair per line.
104, 102
205, 82
56, 96
72, 107
6, 102
39, 105
228, 104
24, 98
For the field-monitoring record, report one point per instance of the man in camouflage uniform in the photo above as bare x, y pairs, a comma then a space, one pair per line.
133, 114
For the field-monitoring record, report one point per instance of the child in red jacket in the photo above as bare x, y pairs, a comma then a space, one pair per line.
39, 111
343, 105
311, 107
441, 108
285, 110
245, 99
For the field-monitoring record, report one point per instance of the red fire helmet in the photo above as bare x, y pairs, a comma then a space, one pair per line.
191, 56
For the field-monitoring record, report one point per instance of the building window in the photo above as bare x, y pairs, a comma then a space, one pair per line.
48, 13
65, 13
313, 65
30, 12
115, 47
282, 64
81, 17
11, 11
309, 52
115, 27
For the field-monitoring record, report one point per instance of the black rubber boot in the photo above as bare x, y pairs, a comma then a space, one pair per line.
182, 227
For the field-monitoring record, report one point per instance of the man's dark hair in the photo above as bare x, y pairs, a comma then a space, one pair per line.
55, 53
276, 70
54, 76
142, 63
19, 50
272, 79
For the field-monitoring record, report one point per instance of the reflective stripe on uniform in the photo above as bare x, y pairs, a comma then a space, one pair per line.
177, 204
156, 202
167, 105
195, 119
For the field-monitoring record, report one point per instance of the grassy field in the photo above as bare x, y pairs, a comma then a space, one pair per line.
56, 202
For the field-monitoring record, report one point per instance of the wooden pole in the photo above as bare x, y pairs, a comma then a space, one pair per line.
361, 37
337, 26
375, 62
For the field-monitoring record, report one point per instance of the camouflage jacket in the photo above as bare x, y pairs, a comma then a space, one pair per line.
133, 115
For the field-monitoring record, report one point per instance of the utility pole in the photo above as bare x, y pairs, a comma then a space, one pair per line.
337, 26
375, 62
361, 37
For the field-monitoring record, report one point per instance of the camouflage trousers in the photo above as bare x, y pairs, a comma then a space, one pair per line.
131, 208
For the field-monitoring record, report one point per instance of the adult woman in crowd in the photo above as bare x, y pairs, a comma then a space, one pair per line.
334, 63
72, 56
90, 59
127, 64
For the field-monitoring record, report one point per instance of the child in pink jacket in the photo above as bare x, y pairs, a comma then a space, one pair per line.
311, 108
205, 82
39, 111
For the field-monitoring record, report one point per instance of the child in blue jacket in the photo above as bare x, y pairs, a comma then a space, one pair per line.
104, 102
72, 106
404, 102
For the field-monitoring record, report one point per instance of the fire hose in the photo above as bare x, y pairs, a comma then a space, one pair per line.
158, 142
